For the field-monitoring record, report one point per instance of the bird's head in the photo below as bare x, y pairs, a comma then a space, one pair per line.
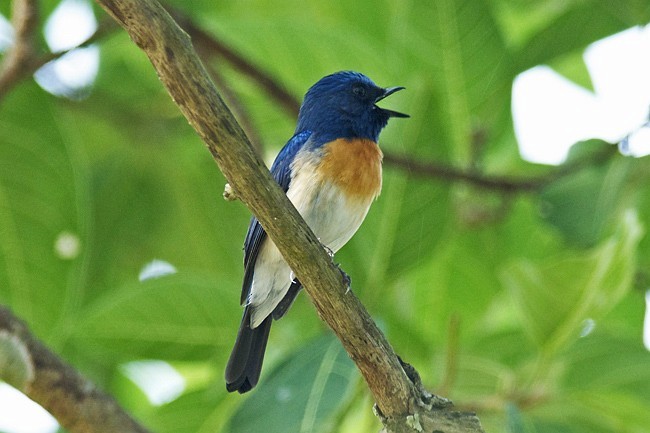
343, 105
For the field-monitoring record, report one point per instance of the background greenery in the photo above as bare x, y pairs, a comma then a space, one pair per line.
486, 293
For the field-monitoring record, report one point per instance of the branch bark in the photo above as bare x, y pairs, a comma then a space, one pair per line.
399, 402
73, 400
24, 20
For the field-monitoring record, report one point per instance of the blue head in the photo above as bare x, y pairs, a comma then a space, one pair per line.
342, 105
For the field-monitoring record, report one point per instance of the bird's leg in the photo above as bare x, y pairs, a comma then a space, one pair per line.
346, 278
328, 250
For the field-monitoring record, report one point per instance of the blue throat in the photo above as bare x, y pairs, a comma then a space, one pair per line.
328, 125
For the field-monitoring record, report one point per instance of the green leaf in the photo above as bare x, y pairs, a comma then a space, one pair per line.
592, 412
516, 422
603, 363
200, 411
125, 226
460, 279
573, 67
626, 318
38, 211
580, 24
521, 19
583, 206
303, 394
568, 426
469, 65
642, 202
604, 385
397, 235
618, 412
178, 317
457, 281
554, 297
149, 202
128, 393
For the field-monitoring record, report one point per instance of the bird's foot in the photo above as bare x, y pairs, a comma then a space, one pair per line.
329, 251
427, 399
345, 277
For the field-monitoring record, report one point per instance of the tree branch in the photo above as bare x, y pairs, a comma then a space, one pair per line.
24, 20
73, 400
505, 184
169, 49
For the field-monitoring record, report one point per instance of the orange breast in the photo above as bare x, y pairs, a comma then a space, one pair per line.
354, 165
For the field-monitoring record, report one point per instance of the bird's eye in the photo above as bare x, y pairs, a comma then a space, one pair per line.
359, 91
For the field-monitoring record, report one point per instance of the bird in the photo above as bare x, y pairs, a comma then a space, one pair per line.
331, 171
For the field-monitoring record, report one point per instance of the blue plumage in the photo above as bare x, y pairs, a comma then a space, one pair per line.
281, 168
342, 105
331, 172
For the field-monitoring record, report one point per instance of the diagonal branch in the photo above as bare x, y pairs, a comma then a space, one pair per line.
74, 401
169, 49
180, 70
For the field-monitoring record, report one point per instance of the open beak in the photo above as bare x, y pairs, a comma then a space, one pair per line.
387, 92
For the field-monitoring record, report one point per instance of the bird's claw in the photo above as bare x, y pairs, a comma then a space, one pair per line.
329, 251
346, 278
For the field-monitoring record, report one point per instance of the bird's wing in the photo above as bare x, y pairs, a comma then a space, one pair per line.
281, 171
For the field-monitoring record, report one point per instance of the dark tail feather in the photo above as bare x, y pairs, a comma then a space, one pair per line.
245, 363
286, 302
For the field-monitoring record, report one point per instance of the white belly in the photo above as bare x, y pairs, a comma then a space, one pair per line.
332, 218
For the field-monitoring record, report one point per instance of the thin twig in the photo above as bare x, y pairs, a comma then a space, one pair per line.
239, 110
217, 47
505, 184
497, 403
14, 72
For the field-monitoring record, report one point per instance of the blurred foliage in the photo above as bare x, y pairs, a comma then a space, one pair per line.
527, 307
